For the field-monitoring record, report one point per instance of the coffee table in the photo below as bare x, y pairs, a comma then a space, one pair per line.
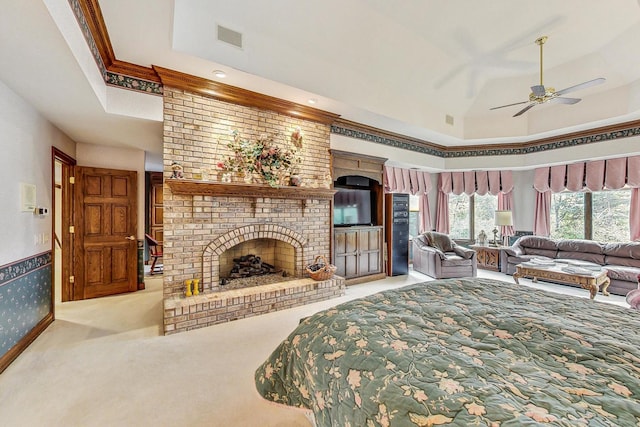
591, 280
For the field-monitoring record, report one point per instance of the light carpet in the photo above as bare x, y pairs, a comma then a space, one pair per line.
104, 362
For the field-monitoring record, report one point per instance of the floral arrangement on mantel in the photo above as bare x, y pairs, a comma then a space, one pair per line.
264, 157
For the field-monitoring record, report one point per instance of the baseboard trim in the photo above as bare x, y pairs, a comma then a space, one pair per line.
22, 345
363, 279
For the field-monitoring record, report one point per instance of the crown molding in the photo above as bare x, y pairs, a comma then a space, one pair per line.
96, 27
236, 95
596, 134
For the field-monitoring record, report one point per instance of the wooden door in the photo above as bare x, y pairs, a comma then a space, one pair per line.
105, 230
156, 206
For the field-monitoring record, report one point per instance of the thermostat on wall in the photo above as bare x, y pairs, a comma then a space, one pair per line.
27, 197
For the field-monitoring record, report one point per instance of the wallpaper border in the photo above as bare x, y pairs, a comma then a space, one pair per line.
16, 269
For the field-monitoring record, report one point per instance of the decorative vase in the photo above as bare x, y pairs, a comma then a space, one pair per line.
196, 286
188, 285
295, 180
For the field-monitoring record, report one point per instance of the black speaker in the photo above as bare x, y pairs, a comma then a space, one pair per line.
397, 233
358, 181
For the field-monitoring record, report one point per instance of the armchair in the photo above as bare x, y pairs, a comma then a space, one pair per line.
436, 255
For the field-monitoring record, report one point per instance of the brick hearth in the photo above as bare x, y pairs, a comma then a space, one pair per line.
183, 314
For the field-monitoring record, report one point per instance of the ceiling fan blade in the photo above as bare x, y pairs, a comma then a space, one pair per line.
538, 90
509, 105
562, 100
584, 85
525, 109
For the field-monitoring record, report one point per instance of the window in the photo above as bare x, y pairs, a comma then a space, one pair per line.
414, 216
470, 214
602, 215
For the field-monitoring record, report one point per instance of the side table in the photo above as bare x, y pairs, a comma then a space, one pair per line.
488, 256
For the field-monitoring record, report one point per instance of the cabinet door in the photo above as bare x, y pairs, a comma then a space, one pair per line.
346, 253
370, 251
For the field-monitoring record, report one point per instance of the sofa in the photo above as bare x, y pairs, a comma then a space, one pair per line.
437, 255
620, 260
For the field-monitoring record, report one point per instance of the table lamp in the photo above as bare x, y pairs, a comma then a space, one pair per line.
503, 218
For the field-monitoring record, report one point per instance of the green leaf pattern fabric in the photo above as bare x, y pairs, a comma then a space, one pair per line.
464, 352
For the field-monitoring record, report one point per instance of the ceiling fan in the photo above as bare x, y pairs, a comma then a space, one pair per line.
540, 94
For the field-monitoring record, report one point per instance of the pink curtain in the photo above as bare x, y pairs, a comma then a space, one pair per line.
414, 182
615, 173
633, 171
597, 175
575, 177
542, 214
505, 203
594, 179
424, 214
634, 214
442, 206
400, 180
457, 183
541, 180
482, 183
558, 176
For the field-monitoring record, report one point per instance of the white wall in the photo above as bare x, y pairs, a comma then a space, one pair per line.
524, 199
100, 156
26, 139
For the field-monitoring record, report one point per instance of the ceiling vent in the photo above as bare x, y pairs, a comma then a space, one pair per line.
229, 36
448, 120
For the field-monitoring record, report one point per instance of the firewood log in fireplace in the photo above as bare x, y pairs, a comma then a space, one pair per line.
250, 265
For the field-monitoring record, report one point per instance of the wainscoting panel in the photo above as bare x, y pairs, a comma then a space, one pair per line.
25, 301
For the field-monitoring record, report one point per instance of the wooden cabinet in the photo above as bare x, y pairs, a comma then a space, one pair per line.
358, 251
488, 257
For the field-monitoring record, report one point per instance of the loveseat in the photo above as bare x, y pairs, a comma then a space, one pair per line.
621, 260
437, 255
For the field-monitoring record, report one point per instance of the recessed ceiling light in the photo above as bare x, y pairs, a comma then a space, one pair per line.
312, 101
219, 74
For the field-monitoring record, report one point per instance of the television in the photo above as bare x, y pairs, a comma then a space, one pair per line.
352, 206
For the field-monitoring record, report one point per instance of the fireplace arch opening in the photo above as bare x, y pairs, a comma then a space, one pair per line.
276, 245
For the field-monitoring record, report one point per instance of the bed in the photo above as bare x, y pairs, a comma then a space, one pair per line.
462, 352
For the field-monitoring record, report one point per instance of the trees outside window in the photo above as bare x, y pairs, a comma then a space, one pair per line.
459, 216
602, 216
484, 213
610, 216
567, 216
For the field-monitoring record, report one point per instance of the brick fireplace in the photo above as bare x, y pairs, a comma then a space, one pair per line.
208, 222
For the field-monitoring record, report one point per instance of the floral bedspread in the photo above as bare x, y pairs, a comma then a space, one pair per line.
462, 352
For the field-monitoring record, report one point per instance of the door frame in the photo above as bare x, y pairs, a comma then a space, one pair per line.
67, 215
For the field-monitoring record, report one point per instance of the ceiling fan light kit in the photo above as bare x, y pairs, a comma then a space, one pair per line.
541, 94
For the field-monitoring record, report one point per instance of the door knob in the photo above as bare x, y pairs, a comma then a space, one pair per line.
132, 237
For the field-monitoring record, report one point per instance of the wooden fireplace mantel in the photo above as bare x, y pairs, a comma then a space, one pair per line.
209, 188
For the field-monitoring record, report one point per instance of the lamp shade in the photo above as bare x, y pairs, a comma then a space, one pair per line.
504, 218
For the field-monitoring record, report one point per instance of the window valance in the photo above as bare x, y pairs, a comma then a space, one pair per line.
401, 180
479, 182
611, 174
